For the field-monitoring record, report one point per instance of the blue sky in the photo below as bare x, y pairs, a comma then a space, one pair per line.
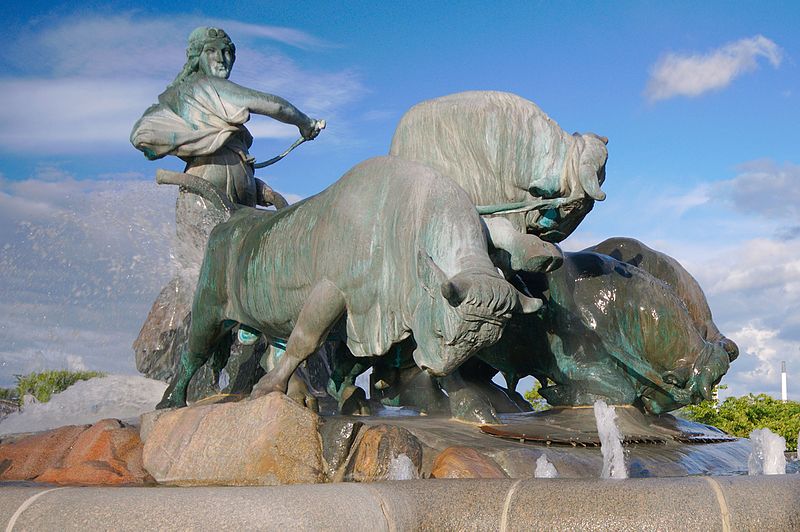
700, 102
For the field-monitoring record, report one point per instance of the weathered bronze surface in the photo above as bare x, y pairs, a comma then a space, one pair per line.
200, 118
607, 330
390, 249
516, 164
394, 268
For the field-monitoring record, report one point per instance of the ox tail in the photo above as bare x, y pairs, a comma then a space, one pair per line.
197, 185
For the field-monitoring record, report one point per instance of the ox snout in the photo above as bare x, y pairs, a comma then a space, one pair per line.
708, 371
434, 368
730, 348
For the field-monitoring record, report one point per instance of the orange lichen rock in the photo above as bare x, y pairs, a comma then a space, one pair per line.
106, 453
465, 462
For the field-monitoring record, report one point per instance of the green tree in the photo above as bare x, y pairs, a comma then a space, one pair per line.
739, 416
538, 402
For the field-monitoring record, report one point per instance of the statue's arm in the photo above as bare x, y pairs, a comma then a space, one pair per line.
270, 105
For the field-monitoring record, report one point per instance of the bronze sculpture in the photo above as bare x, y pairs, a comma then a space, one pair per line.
414, 261
532, 181
200, 118
409, 220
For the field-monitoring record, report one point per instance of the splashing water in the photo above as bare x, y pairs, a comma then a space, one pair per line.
81, 261
544, 469
402, 468
610, 441
767, 456
115, 396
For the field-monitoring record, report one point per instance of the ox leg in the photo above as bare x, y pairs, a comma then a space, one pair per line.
468, 403
319, 314
528, 252
342, 383
266, 196
207, 337
297, 389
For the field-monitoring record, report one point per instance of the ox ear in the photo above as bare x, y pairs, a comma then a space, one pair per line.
429, 273
590, 181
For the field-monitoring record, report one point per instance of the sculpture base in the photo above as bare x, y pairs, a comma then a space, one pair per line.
655, 446
362, 448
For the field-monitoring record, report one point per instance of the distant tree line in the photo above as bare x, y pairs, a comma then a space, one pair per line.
739, 416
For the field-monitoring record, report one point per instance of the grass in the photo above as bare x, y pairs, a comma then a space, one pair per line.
9, 394
46, 383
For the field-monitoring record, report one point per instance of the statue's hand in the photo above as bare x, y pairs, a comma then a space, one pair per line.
313, 128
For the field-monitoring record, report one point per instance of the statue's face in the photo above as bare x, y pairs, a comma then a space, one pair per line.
216, 60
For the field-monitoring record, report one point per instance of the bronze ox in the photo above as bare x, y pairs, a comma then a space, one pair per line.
515, 163
392, 249
611, 330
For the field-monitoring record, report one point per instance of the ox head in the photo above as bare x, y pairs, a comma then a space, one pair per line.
690, 382
583, 174
461, 315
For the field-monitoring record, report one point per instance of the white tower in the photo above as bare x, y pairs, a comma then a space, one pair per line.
784, 394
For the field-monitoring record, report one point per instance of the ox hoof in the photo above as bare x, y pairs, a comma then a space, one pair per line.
168, 402
536, 263
269, 383
353, 402
299, 393
472, 407
306, 400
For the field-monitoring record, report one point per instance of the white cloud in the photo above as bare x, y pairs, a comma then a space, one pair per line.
79, 94
69, 115
129, 44
284, 35
694, 74
757, 370
765, 188
680, 203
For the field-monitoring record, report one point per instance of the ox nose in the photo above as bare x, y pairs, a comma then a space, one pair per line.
730, 348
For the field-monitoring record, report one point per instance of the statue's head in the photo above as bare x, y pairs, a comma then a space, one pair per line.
461, 315
691, 380
211, 52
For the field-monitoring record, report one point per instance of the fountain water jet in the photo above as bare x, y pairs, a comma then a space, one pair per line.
544, 469
767, 456
610, 441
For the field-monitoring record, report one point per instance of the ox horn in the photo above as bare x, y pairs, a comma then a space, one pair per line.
430, 274
455, 290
